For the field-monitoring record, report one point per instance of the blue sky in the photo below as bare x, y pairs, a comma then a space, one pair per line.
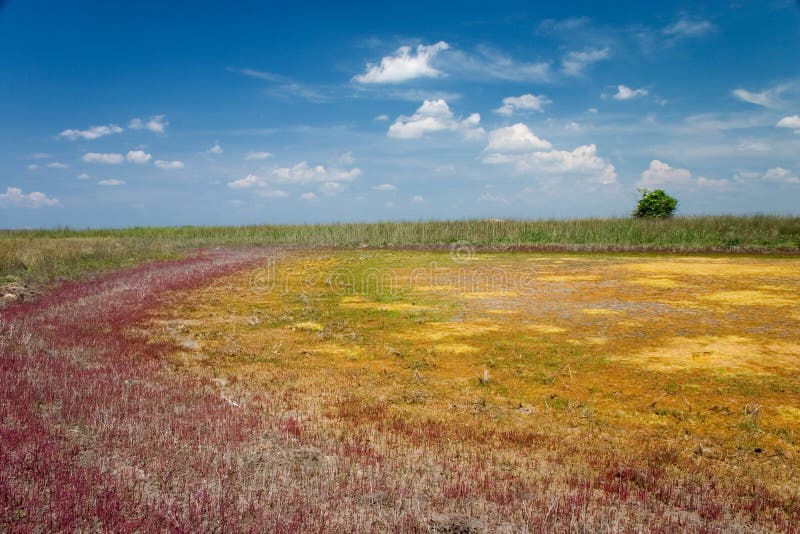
154, 113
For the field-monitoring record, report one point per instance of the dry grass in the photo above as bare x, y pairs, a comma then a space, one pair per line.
616, 393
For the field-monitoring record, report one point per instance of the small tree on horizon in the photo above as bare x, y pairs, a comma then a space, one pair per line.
655, 205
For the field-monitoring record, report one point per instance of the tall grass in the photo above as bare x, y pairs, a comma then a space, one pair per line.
65, 253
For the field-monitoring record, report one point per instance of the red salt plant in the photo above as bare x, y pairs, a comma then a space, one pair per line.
86, 409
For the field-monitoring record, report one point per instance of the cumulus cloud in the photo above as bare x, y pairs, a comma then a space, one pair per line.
791, 122
626, 93
382, 117
169, 165
16, 198
576, 61
404, 65
434, 116
516, 138
417, 199
83, 176
216, 149
111, 183
303, 173
97, 157
57, 165
261, 185
523, 102
251, 180
517, 146
385, 187
93, 132
309, 196
257, 155
660, 174
138, 156
156, 124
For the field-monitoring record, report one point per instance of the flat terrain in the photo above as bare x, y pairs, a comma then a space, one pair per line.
521, 390
370, 390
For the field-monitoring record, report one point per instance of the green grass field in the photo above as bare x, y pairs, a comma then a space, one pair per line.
47, 255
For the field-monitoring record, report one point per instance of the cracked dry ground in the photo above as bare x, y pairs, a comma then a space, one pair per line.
412, 391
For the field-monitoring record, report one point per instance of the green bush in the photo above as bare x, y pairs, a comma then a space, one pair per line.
655, 205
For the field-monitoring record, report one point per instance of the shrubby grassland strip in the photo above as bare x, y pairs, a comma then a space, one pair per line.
40, 255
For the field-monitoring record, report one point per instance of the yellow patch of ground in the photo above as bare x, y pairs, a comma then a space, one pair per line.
751, 298
310, 326
711, 267
600, 311
568, 278
386, 306
456, 348
547, 328
444, 330
789, 413
656, 282
730, 353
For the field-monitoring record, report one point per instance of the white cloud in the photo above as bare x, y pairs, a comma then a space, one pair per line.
272, 193
248, 181
687, 27
576, 62
111, 183
417, 199
434, 116
385, 187
768, 98
57, 165
779, 174
33, 167
216, 149
382, 117
753, 145
626, 93
489, 63
660, 174
791, 121
303, 173
83, 176
404, 65
264, 190
498, 198
702, 181
522, 102
516, 145
309, 196
138, 156
169, 165
157, 124
516, 138
93, 132
15, 197
258, 155
97, 157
